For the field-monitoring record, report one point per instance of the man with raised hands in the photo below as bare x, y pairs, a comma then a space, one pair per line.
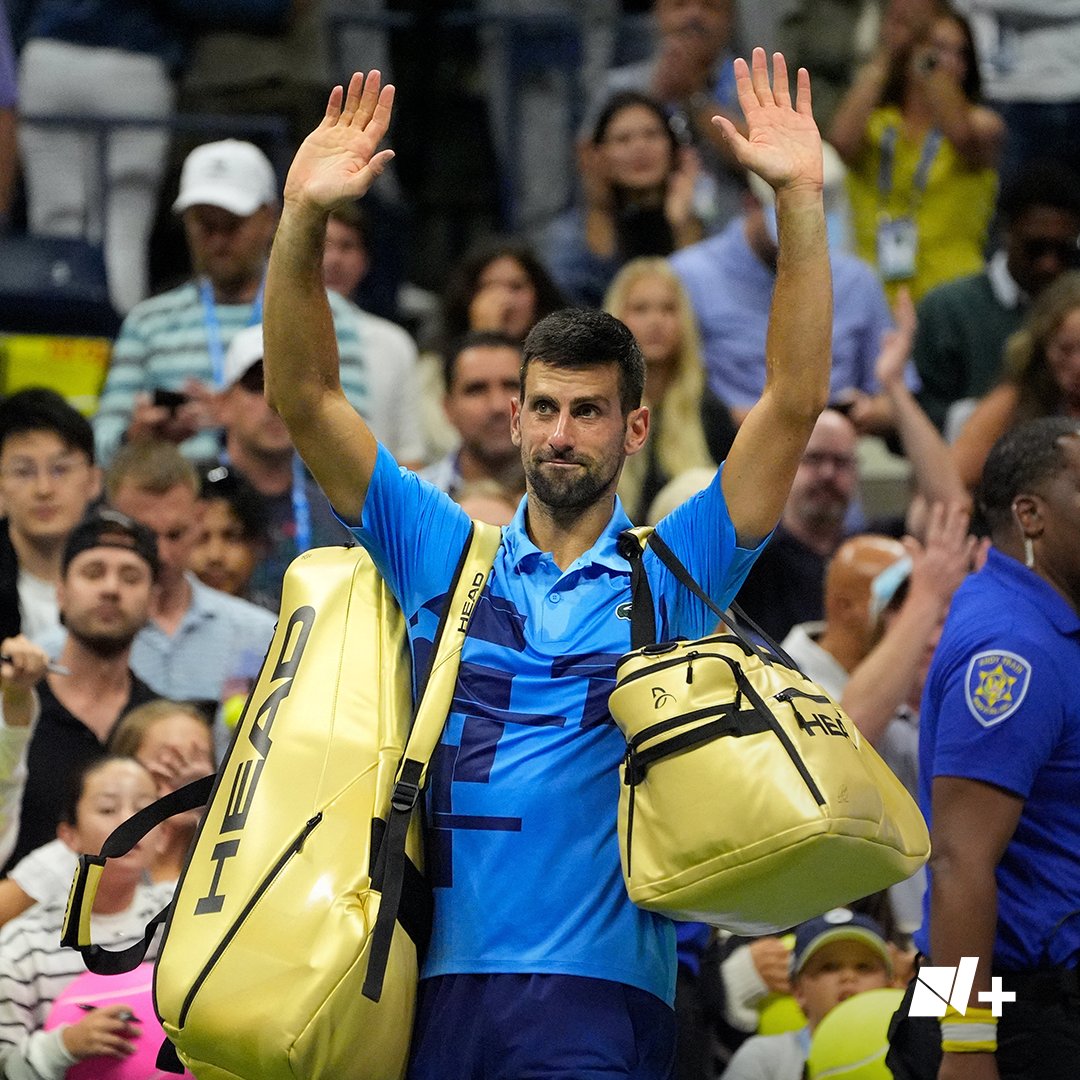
539, 964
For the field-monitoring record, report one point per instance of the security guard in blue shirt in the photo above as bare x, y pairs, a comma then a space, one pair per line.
1000, 775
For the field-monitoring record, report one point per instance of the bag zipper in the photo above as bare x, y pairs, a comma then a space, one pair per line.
791, 692
644, 653
688, 657
295, 847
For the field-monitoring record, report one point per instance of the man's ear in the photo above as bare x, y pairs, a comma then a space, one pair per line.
93, 487
515, 421
637, 430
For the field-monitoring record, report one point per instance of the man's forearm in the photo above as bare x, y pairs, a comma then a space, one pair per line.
883, 681
963, 914
298, 328
798, 344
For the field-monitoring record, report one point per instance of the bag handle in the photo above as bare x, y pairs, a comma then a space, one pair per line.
471, 575
76, 929
642, 617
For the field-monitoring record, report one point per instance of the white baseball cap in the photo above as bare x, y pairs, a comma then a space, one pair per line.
236, 176
245, 350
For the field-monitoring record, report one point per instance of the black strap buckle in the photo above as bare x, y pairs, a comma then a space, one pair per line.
405, 796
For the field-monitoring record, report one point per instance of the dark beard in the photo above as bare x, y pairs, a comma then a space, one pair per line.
107, 646
575, 492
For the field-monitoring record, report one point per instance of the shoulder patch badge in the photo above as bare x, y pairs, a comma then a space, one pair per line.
996, 685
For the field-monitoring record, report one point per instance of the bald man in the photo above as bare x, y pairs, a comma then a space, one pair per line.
861, 579
885, 602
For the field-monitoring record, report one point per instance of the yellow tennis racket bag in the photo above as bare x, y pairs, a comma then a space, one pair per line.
749, 798
293, 942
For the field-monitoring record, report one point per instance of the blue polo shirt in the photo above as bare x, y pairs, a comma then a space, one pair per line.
524, 785
1001, 705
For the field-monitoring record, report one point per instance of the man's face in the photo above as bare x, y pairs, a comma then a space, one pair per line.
247, 416
45, 485
1058, 552
827, 476
573, 435
231, 251
175, 517
104, 598
1041, 244
223, 557
705, 24
835, 972
478, 401
345, 261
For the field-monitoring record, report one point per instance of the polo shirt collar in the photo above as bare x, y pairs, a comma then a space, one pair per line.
201, 606
1018, 578
604, 552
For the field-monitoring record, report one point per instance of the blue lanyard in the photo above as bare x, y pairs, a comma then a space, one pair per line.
931, 145
300, 506
214, 345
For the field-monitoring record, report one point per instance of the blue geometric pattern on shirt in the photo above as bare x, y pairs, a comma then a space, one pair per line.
498, 620
483, 696
599, 669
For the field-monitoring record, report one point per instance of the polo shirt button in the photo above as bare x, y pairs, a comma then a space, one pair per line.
555, 597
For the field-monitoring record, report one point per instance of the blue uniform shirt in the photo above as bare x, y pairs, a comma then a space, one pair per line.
524, 786
1002, 705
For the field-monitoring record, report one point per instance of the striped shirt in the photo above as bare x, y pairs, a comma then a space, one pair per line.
34, 969
164, 341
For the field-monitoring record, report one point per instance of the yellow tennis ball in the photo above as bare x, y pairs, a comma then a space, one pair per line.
852, 1041
779, 1013
231, 710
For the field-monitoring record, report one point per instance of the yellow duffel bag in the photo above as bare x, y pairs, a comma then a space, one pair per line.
749, 798
292, 946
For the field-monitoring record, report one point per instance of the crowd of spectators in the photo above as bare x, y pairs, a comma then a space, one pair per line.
142, 548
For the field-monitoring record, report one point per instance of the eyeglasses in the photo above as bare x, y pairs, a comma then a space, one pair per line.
815, 459
1066, 252
28, 472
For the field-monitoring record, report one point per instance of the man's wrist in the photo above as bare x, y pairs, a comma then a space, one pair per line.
973, 1032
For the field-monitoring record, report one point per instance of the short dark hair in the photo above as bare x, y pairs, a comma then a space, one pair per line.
1041, 182
1021, 461
581, 338
224, 484
40, 409
475, 339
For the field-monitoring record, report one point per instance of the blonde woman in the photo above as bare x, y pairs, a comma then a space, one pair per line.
649, 298
1042, 376
173, 742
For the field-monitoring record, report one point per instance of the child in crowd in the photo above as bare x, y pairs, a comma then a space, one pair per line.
171, 739
837, 955
34, 969
234, 536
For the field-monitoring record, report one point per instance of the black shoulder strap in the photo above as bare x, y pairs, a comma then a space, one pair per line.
629, 547
76, 931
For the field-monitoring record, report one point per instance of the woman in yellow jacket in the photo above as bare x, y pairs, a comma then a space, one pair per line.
921, 153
